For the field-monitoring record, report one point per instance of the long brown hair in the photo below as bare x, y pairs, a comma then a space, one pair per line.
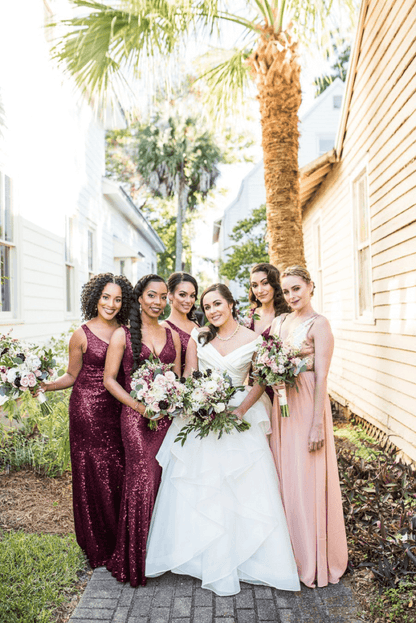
273, 277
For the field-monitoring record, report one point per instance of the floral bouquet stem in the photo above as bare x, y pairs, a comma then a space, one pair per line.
284, 408
45, 407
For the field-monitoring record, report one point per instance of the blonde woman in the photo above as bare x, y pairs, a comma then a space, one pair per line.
303, 443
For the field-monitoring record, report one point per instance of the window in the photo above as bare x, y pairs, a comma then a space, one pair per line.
325, 143
69, 265
6, 243
337, 101
318, 294
361, 224
122, 267
90, 253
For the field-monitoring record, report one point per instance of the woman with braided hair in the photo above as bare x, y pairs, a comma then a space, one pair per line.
127, 351
97, 453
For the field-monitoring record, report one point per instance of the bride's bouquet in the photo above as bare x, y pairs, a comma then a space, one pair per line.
156, 386
275, 364
205, 401
22, 368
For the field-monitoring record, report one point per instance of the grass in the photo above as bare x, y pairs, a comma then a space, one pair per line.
37, 574
365, 446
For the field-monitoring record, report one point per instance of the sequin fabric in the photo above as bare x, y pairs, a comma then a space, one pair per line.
142, 479
184, 338
97, 456
265, 333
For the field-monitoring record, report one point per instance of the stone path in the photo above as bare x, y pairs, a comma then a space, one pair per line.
180, 599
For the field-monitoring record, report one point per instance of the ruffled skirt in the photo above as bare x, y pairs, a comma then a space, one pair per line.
218, 515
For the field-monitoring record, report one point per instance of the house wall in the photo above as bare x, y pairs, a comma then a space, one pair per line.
374, 364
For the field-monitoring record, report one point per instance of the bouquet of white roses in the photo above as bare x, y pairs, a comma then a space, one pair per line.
205, 402
156, 386
276, 364
22, 368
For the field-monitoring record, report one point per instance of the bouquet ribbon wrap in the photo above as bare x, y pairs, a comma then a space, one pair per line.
284, 409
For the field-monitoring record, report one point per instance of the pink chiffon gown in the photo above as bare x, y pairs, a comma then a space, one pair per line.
309, 481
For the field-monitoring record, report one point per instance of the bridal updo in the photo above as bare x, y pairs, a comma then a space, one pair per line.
209, 332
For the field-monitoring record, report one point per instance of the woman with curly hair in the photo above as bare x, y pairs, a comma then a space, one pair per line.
97, 453
182, 294
128, 350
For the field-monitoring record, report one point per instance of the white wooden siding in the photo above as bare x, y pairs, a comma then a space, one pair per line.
374, 366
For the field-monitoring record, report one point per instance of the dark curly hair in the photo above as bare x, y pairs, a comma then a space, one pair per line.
209, 331
92, 290
273, 277
136, 316
174, 280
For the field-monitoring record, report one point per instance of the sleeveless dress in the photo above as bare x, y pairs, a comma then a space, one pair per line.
309, 481
218, 514
184, 338
97, 455
142, 476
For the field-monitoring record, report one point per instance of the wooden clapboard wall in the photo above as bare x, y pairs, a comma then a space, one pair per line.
374, 365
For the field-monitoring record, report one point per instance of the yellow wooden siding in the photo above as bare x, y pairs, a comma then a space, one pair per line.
374, 365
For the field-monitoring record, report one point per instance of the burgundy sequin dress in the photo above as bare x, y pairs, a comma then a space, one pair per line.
143, 474
184, 338
97, 456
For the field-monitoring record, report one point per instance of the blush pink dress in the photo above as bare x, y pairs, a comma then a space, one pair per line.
309, 481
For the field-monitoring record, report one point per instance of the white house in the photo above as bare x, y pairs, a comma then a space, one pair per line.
318, 128
60, 220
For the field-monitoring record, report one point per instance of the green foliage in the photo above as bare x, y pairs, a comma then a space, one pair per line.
361, 440
249, 247
339, 68
38, 573
396, 605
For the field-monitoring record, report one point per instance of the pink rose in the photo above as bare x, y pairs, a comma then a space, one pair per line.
3, 377
24, 381
51, 371
32, 379
169, 375
38, 373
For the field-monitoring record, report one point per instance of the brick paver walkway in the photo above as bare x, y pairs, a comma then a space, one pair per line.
180, 599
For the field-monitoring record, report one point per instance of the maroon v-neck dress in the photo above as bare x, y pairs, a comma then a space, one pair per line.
142, 477
184, 338
97, 455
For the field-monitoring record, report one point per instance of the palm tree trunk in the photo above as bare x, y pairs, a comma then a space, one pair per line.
182, 193
277, 74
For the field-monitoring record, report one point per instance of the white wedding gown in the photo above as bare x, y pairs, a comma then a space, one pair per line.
218, 515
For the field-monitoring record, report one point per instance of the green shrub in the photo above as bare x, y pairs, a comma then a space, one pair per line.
37, 574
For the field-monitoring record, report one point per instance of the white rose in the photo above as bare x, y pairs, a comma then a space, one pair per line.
211, 387
197, 395
11, 374
219, 408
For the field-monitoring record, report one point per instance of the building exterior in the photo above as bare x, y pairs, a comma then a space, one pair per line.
359, 222
318, 129
60, 220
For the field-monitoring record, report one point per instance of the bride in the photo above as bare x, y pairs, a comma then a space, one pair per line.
218, 515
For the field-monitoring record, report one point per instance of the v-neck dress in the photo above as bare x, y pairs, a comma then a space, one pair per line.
184, 338
97, 455
142, 476
218, 514
309, 480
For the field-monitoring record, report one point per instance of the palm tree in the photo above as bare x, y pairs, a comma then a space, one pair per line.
177, 158
99, 47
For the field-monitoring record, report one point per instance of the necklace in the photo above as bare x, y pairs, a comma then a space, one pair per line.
225, 339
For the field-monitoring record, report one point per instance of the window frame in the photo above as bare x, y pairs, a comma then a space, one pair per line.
91, 271
69, 267
10, 245
367, 316
318, 262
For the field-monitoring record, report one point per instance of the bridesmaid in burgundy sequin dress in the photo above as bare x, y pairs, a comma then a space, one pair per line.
127, 350
97, 453
266, 293
182, 294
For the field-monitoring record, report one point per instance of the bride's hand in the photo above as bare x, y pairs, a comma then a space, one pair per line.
238, 413
276, 389
316, 437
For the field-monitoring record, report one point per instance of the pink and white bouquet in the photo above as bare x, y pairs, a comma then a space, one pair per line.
206, 402
276, 363
22, 368
247, 318
157, 387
